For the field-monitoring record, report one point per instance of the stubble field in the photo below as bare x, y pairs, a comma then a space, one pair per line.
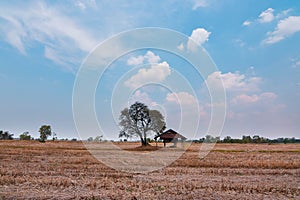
66, 170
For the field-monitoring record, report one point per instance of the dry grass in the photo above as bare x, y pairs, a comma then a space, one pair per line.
66, 170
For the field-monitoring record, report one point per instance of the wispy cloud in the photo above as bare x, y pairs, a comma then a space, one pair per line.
251, 99
267, 16
199, 4
84, 4
246, 23
47, 26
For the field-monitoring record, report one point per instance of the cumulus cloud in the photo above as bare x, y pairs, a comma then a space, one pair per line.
266, 16
244, 94
149, 57
156, 73
284, 29
135, 60
198, 37
233, 81
142, 97
183, 98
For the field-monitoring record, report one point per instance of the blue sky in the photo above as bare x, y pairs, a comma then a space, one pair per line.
254, 44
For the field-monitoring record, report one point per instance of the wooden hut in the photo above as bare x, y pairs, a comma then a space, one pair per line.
170, 136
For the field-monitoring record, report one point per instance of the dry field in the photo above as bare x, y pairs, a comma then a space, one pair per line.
66, 170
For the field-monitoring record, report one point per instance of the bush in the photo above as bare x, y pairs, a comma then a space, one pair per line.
25, 136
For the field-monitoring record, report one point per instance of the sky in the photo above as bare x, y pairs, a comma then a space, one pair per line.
253, 44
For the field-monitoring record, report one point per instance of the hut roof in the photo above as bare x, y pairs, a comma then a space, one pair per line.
170, 134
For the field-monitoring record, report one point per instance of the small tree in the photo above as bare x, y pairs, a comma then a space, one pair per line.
90, 139
25, 136
98, 138
246, 139
138, 121
5, 135
227, 139
211, 139
45, 131
54, 136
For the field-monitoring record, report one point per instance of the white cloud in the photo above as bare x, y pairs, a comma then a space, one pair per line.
52, 55
142, 97
83, 4
245, 105
246, 23
80, 5
149, 57
269, 16
245, 98
199, 3
296, 64
233, 81
135, 60
283, 14
156, 73
240, 42
198, 37
266, 16
284, 29
250, 99
47, 26
182, 98
180, 47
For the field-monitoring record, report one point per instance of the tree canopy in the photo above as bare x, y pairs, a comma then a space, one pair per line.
45, 131
139, 121
25, 136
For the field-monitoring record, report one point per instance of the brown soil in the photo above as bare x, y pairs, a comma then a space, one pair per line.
66, 170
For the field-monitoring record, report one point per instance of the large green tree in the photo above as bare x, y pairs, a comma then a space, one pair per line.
139, 121
45, 131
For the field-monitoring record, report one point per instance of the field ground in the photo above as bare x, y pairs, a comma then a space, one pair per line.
66, 170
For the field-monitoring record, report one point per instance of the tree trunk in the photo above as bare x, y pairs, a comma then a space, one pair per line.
144, 142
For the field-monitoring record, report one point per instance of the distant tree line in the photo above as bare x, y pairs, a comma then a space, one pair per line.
256, 139
44, 131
